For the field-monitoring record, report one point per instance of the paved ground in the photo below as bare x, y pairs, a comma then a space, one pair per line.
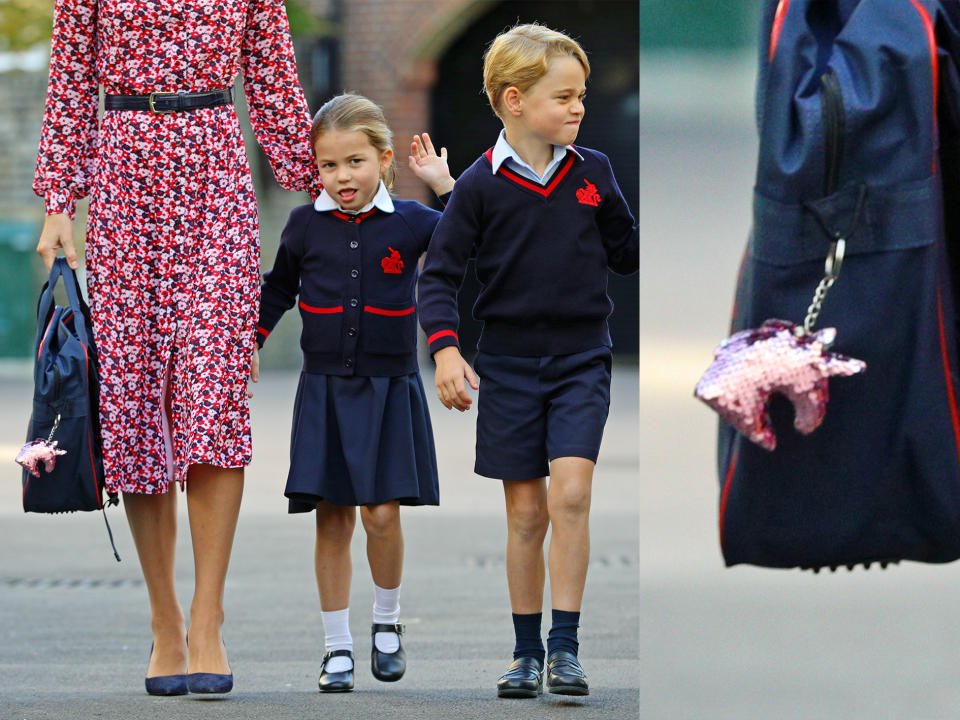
73, 622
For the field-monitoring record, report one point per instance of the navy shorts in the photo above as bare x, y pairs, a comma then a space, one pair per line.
532, 410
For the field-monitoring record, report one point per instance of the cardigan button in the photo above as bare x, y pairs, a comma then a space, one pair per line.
354, 244
354, 302
348, 362
352, 332
353, 273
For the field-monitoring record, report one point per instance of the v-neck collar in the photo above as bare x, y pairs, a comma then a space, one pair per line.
542, 190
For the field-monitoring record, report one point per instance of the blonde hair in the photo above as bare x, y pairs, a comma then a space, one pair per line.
349, 113
521, 56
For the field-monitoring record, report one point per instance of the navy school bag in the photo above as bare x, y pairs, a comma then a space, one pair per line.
856, 110
66, 405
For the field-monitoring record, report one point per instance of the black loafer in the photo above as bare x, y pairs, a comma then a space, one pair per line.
523, 679
331, 682
564, 674
388, 667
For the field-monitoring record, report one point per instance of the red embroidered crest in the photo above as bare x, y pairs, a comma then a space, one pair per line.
392, 264
588, 195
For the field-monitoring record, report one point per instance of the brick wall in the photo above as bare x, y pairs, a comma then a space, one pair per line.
385, 46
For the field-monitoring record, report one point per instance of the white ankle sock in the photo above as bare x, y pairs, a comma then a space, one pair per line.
336, 628
386, 610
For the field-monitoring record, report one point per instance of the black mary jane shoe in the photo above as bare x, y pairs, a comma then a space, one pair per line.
387, 667
331, 682
523, 679
564, 674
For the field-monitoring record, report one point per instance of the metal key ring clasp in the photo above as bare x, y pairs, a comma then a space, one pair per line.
834, 259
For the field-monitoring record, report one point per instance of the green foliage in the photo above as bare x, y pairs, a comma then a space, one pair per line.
698, 25
302, 22
24, 23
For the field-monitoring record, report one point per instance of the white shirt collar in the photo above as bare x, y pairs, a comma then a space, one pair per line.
382, 201
503, 151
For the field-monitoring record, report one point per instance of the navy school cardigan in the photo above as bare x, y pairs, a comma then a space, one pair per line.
542, 253
355, 277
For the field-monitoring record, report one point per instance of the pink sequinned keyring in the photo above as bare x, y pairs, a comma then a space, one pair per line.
41, 452
778, 357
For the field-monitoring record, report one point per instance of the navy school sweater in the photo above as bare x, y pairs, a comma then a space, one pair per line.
542, 254
355, 278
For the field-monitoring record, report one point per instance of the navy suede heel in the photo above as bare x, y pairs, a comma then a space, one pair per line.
165, 684
209, 682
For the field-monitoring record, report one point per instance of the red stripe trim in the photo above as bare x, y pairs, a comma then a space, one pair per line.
440, 334
934, 65
353, 218
265, 333
545, 191
733, 312
727, 482
778, 19
948, 376
381, 311
44, 338
93, 466
323, 310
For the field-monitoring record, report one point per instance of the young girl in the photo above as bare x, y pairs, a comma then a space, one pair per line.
361, 431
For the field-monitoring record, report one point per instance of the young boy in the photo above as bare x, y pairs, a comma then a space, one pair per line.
546, 221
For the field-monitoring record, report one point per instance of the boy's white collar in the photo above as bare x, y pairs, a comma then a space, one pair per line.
502, 150
382, 201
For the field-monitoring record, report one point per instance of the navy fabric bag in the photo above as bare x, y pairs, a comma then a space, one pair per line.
65, 401
856, 109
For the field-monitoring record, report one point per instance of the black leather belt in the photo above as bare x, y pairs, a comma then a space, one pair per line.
168, 102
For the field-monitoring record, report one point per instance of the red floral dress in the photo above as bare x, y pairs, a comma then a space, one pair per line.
172, 235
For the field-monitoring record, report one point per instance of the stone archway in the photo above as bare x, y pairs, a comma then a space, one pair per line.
389, 52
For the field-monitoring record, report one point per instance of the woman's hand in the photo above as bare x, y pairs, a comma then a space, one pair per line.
57, 233
254, 370
430, 167
452, 369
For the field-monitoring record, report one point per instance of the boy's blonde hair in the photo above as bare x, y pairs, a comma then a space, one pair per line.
348, 113
521, 56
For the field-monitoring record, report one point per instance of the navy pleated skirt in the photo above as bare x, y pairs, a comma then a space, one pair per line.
360, 441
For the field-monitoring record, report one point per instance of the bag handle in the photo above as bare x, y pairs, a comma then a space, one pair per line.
74, 296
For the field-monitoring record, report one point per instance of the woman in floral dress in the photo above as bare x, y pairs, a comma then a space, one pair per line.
172, 259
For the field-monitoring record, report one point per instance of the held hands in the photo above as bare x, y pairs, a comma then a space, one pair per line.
430, 167
57, 233
452, 370
254, 370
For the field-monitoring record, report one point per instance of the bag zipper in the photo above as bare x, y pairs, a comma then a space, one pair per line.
831, 108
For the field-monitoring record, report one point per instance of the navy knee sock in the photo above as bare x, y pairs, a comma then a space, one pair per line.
563, 633
527, 630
